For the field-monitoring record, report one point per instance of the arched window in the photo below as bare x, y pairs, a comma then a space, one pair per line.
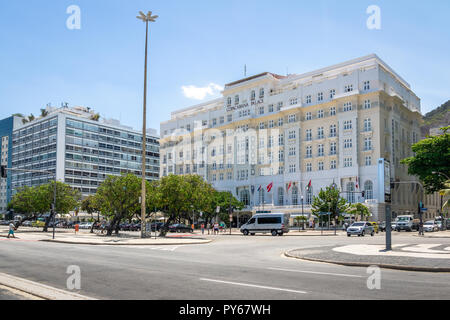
368, 188
295, 196
309, 196
350, 192
245, 197
280, 196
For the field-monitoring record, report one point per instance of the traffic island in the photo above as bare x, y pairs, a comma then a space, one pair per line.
407, 257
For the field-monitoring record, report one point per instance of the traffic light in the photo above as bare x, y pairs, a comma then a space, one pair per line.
3, 172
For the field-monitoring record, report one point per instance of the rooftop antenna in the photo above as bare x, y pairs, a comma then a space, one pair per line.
245, 71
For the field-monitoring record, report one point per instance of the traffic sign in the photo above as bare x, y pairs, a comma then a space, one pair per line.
424, 209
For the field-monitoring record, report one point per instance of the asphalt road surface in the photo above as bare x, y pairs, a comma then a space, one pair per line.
231, 267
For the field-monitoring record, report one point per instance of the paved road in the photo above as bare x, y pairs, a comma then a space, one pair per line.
231, 267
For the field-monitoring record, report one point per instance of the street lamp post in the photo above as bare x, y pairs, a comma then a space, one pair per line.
145, 18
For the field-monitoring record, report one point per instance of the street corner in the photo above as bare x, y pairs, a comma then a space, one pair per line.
407, 257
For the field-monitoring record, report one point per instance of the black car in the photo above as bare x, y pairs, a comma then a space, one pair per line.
157, 226
179, 227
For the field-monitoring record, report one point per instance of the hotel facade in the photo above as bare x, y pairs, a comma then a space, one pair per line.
275, 141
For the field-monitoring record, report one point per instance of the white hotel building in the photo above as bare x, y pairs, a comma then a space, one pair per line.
326, 126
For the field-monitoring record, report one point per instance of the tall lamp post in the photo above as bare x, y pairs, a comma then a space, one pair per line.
443, 227
145, 18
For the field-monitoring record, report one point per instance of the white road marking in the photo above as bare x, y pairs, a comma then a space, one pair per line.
253, 285
314, 272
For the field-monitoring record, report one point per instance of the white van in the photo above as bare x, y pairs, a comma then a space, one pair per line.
274, 223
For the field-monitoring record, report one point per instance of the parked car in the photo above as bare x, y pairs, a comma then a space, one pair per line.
157, 226
135, 227
38, 224
4, 223
179, 227
430, 226
274, 223
407, 223
27, 223
85, 225
361, 229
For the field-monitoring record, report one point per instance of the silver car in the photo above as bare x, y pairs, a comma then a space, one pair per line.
430, 226
360, 229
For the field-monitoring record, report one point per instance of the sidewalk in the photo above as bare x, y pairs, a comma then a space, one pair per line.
291, 233
408, 257
86, 238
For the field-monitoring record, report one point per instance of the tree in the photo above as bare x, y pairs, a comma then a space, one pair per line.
329, 200
118, 199
358, 209
446, 194
225, 200
431, 155
44, 113
90, 206
301, 220
95, 117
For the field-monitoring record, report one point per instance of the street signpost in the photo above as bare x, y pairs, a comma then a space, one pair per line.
384, 196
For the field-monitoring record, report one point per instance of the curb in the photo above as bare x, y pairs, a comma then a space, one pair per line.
125, 244
365, 264
39, 290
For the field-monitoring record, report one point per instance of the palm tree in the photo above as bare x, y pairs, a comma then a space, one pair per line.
31, 117
95, 117
44, 113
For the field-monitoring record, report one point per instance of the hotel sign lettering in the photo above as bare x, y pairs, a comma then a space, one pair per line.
245, 105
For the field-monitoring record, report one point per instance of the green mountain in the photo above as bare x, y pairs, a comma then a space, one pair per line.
439, 117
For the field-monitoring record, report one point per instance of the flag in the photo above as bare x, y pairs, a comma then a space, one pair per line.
260, 188
309, 185
269, 187
357, 185
289, 186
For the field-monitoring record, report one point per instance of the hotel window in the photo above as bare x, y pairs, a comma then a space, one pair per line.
261, 143
348, 88
181, 170
292, 118
280, 122
368, 187
320, 166
261, 125
347, 106
229, 117
214, 122
221, 177
214, 166
309, 152
253, 95
333, 149
280, 155
348, 162
320, 151
333, 164
308, 135
214, 177
222, 120
333, 111
320, 96
320, 114
332, 94
348, 143
333, 131
270, 107
236, 99
292, 168
229, 176
261, 110
308, 99
292, 134
367, 125
281, 140
367, 144
279, 106
308, 116
367, 104
308, 167
292, 151
348, 125
368, 161
320, 134
366, 85
261, 93
280, 170
270, 142
229, 101
293, 101
271, 124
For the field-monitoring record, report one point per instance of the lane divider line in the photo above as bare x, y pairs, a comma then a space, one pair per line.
316, 272
253, 285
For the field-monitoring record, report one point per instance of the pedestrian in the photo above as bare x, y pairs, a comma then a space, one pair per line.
12, 227
203, 228
192, 227
77, 228
216, 228
208, 227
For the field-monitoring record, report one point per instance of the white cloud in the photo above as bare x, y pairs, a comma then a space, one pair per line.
200, 93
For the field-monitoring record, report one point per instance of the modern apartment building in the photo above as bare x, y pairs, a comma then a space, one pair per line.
80, 150
6, 130
274, 141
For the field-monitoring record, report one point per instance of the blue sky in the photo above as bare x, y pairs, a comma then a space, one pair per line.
198, 43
